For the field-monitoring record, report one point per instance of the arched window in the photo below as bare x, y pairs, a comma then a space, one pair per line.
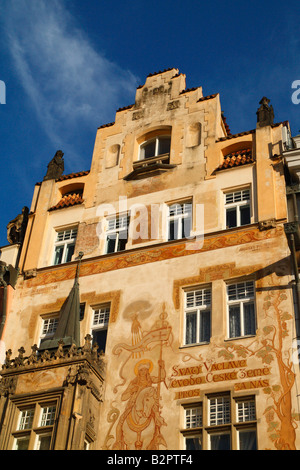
159, 145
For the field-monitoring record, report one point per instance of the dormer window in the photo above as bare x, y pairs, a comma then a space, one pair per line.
159, 145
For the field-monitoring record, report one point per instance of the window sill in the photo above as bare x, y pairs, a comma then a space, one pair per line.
235, 338
193, 345
150, 167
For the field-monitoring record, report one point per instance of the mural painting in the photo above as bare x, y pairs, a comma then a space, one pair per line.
139, 425
264, 363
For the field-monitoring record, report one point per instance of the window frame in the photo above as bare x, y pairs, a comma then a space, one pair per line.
65, 243
36, 430
232, 425
199, 310
116, 230
180, 218
237, 205
101, 326
155, 139
241, 302
53, 317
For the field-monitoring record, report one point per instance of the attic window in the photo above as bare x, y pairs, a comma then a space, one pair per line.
78, 192
159, 145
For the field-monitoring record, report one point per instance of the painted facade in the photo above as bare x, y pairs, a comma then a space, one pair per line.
199, 325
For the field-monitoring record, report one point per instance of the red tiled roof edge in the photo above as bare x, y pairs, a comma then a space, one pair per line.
73, 175
232, 136
235, 159
67, 201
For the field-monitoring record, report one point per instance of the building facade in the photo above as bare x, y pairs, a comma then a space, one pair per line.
151, 301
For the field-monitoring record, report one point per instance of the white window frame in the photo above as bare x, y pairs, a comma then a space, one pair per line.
64, 238
222, 413
200, 303
114, 226
48, 327
219, 410
156, 140
38, 426
245, 410
101, 323
193, 417
237, 199
240, 300
179, 211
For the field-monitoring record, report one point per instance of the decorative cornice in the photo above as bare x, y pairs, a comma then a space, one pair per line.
60, 356
161, 252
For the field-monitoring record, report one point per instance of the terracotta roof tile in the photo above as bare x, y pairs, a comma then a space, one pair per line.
209, 97
72, 175
242, 157
68, 201
106, 125
161, 71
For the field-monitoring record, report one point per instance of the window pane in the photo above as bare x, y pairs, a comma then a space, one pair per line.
246, 411
164, 145
99, 337
191, 328
245, 215
219, 411
22, 443
231, 220
110, 243
69, 252
220, 442
122, 240
26, 419
58, 254
187, 227
198, 298
249, 319
248, 440
173, 230
193, 443
101, 316
148, 150
234, 321
204, 326
193, 417
48, 416
44, 442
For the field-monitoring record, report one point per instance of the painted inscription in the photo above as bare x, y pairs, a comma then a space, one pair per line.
208, 373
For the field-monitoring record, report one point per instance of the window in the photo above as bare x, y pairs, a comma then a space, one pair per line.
179, 220
64, 246
117, 233
241, 310
193, 419
197, 321
99, 325
223, 428
246, 413
35, 427
160, 145
237, 208
49, 327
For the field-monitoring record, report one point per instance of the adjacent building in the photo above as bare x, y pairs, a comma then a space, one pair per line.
151, 302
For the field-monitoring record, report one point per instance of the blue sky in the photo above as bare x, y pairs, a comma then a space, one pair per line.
69, 65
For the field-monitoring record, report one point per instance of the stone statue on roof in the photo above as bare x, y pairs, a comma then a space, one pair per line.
55, 167
17, 227
265, 113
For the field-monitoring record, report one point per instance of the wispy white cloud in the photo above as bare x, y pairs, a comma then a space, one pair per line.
70, 84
